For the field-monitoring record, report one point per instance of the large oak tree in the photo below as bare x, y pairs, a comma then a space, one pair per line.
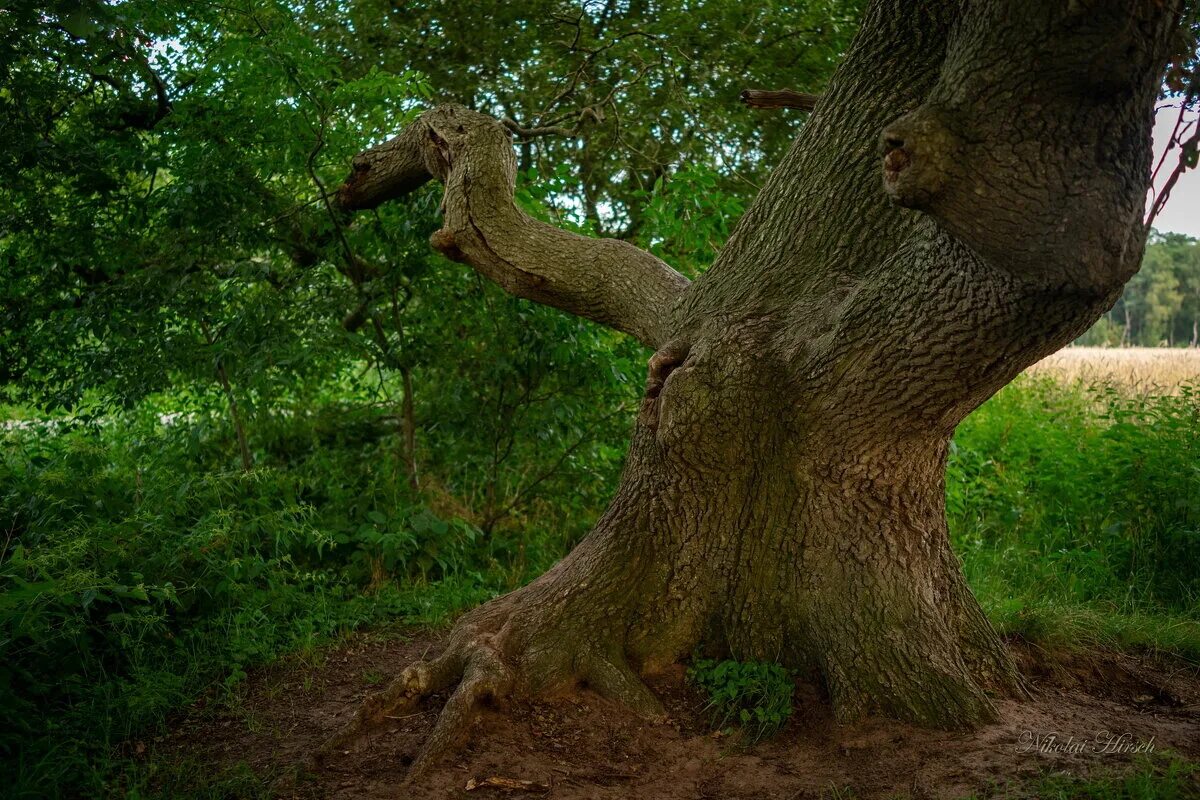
966, 198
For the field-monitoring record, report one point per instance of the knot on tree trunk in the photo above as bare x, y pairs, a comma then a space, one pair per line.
442, 240
919, 155
660, 366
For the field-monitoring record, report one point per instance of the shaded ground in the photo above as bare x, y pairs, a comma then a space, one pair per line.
583, 747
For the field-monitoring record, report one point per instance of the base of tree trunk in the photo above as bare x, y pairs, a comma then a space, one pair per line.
883, 636
580, 746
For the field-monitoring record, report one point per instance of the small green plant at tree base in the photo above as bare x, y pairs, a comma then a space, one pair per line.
753, 695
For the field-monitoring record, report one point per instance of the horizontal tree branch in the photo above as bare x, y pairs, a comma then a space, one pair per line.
779, 98
604, 280
553, 130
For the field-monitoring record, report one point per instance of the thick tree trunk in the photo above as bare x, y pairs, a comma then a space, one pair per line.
784, 493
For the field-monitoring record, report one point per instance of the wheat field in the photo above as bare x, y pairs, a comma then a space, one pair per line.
1153, 370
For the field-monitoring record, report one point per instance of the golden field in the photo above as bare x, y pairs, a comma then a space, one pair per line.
1152, 370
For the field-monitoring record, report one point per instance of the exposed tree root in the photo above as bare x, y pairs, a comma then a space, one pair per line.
486, 666
480, 675
937, 668
613, 679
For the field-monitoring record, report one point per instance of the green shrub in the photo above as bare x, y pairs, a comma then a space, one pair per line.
756, 696
141, 568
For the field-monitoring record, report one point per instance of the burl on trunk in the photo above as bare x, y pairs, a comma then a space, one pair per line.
966, 198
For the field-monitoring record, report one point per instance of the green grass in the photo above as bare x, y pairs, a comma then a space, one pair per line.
196, 781
1076, 511
1160, 776
139, 569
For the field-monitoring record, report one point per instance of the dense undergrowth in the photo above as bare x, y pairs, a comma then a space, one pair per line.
141, 567
1076, 512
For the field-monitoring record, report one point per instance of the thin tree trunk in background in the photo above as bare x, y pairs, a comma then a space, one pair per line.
410, 430
235, 415
1127, 331
239, 429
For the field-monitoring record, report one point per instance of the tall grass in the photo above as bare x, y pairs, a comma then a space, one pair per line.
1141, 370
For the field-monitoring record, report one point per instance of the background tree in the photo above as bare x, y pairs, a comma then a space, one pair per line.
154, 155
1159, 305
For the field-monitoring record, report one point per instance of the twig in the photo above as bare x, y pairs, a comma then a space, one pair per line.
1187, 150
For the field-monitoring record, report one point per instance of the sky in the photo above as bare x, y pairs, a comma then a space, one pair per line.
1181, 214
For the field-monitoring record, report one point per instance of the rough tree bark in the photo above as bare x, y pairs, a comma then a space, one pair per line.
966, 198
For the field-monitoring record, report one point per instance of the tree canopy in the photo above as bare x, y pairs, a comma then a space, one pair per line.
166, 167
167, 170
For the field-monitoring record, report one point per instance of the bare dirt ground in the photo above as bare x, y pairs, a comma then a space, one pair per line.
580, 746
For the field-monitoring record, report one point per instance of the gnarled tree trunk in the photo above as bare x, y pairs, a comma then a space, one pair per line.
966, 198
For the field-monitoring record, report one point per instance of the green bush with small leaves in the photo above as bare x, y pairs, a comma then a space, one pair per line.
755, 696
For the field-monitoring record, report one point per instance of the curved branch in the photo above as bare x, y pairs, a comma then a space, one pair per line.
1187, 151
604, 280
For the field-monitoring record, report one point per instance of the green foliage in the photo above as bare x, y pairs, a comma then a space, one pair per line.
753, 695
142, 250
1077, 509
141, 569
165, 169
1160, 306
688, 218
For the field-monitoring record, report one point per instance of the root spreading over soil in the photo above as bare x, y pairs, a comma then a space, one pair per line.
581, 746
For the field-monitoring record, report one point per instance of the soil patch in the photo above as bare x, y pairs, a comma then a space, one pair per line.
581, 746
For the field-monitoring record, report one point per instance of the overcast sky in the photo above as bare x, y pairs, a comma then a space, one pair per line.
1182, 211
